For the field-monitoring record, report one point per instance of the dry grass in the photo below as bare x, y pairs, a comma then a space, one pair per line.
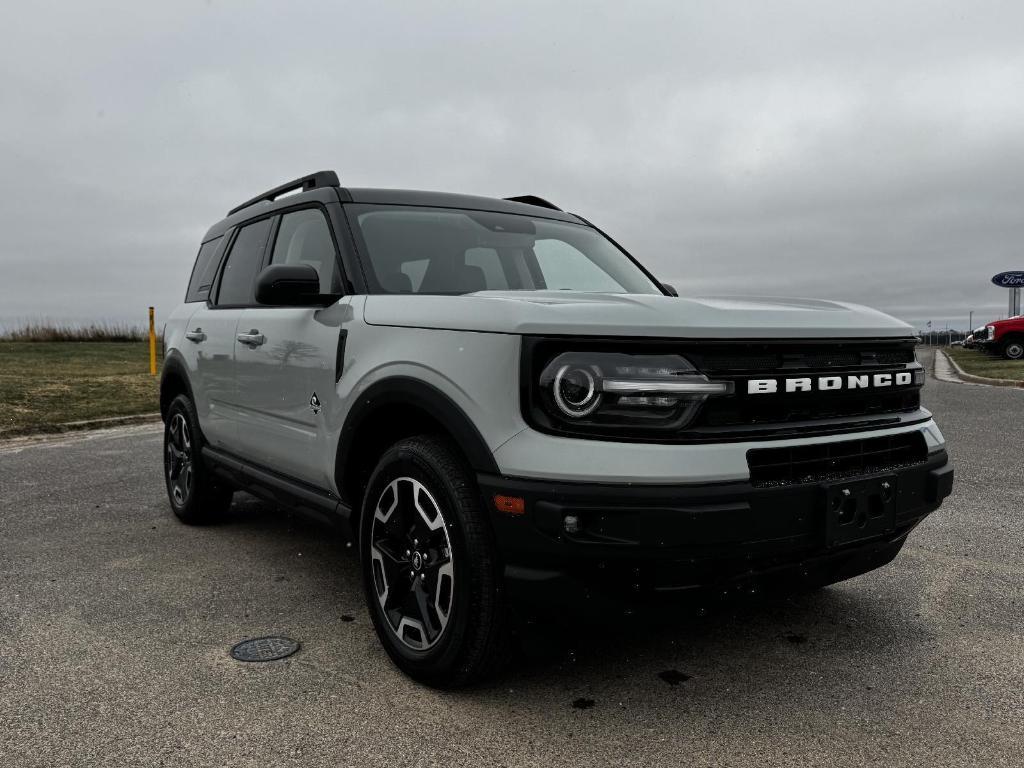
45, 385
44, 331
979, 364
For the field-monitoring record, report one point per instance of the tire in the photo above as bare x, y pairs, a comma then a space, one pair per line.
430, 566
196, 497
1013, 349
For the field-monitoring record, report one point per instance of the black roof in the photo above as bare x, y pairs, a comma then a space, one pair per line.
455, 200
323, 187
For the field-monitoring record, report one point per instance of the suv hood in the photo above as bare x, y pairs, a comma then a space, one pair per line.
601, 314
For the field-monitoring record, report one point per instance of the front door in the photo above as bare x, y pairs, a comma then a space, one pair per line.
287, 359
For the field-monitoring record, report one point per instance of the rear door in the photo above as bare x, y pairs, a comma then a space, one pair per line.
211, 335
288, 369
207, 340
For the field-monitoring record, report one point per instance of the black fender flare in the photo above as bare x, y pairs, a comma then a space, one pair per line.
406, 391
174, 367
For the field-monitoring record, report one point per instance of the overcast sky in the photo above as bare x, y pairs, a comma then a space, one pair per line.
870, 151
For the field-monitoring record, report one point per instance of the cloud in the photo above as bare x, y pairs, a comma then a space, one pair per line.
868, 152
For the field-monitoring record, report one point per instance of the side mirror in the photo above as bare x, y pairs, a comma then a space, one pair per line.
670, 290
289, 285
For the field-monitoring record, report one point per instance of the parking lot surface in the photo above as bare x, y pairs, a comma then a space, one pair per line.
116, 624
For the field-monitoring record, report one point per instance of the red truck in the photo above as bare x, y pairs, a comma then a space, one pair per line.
1006, 338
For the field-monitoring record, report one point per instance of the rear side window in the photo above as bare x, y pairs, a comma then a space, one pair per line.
204, 271
239, 276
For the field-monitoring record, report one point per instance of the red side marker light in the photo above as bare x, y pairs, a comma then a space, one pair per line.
512, 505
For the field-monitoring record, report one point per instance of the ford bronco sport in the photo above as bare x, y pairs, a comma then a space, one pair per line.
498, 403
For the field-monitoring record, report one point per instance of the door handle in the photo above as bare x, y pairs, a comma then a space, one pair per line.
253, 338
197, 335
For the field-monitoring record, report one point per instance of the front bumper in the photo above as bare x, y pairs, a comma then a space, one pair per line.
635, 542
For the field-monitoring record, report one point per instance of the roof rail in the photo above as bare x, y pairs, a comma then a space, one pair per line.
534, 200
305, 183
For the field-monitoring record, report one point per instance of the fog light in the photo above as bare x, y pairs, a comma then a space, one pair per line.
572, 524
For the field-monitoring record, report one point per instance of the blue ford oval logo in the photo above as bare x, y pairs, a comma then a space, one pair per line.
1009, 279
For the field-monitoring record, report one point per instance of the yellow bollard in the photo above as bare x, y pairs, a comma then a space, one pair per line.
152, 344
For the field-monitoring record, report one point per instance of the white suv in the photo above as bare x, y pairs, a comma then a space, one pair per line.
500, 405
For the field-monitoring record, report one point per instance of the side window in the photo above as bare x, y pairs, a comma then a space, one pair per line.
487, 260
304, 237
565, 268
239, 276
204, 271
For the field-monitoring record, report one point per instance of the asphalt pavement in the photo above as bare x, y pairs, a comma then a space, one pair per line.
116, 623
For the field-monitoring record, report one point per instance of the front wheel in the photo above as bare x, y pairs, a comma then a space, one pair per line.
430, 567
1013, 349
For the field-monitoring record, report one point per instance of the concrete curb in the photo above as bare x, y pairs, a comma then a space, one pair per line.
980, 379
111, 421
88, 425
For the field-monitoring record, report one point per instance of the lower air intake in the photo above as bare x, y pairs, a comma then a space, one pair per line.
833, 461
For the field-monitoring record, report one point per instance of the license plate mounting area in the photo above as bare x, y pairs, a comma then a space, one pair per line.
859, 509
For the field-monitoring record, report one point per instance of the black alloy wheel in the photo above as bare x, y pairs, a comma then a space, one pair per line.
180, 472
195, 495
431, 570
412, 563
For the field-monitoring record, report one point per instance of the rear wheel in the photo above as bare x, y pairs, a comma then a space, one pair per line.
430, 566
195, 496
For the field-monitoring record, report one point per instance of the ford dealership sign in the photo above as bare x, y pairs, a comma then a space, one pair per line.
1009, 279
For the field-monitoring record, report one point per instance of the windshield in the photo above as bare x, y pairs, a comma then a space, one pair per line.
448, 251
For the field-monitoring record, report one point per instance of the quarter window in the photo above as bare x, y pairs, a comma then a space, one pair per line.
204, 271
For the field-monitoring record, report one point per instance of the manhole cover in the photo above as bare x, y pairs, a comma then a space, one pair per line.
264, 649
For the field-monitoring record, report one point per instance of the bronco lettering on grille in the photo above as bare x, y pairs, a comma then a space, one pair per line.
827, 383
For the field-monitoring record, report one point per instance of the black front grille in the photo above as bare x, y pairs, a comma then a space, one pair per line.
748, 361
741, 361
833, 461
895, 356
788, 357
757, 410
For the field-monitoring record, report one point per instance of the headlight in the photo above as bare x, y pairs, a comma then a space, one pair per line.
605, 389
991, 332
575, 390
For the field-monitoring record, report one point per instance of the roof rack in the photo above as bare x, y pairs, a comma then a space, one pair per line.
305, 183
534, 200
